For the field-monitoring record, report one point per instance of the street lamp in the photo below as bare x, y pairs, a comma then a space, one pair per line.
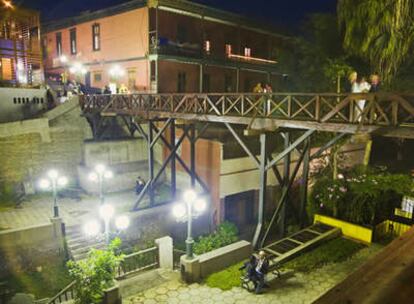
99, 175
192, 207
106, 212
53, 181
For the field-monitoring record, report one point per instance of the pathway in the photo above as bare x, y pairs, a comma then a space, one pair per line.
39, 210
292, 288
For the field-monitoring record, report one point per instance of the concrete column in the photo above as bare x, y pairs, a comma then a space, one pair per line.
57, 224
190, 269
165, 252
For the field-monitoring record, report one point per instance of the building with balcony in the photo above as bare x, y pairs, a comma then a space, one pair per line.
20, 52
164, 46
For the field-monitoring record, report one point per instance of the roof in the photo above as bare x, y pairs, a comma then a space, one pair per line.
178, 6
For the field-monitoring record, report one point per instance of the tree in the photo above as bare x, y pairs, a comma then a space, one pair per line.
382, 31
95, 274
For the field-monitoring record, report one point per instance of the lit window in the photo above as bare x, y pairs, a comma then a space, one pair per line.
97, 77
247, 52
207, 46
228, 49
59, 44
96, 37
73, 47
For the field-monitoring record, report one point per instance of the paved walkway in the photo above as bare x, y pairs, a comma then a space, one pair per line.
292, 288
39, 210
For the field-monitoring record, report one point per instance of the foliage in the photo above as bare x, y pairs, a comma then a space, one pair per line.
45, 281
334, 251
225, 234
380, 30
336, 69
95, 274
225, 279
362, 196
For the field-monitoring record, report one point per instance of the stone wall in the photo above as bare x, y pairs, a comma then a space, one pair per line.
30, 247
27, 155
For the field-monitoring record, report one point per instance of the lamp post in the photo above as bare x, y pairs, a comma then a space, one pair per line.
54, 181
99, 175
192, 207
106, 211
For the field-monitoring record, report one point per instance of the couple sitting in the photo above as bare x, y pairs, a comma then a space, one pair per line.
256, 269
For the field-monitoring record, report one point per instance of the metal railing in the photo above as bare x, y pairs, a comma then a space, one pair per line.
383, 109
138, 261
176, 257
66, 294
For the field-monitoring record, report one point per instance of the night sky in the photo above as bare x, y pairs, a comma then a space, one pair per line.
279, 12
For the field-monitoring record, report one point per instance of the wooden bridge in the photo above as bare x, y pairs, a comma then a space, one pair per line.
383, 114
294, 116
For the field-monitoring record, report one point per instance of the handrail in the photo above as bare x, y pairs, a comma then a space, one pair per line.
68, 290
137, 262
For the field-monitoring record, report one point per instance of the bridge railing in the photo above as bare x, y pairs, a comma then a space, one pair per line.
365, 108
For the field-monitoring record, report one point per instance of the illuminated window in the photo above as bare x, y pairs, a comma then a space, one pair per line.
96, 37
207, 46
97, 77
72, 36
59, 44
228, 49
247, 52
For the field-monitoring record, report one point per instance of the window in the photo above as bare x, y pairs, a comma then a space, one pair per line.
59, 44
206, 83
97, 77
207, 46
72, 35
247, 52
181, 83
181, 33
44, 48
153, 70
132, 76
228, 84
228, 49
96, 37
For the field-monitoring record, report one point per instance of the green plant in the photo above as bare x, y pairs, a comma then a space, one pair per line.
225, 234
225, 279
362, 196
95, 274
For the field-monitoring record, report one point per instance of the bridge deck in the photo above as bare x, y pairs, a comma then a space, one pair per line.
383, 114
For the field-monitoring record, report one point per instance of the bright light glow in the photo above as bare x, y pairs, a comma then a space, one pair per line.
200, 205
340, 176
100, 169
44, 184
63, 59
179, 211
251, 58
78, 66
117, 71
108, 174
91, 228
93, 177
122, 222
190, 196
72, 70
20, 66
62, 181
106, 211
7, 4
83, 71
53, 174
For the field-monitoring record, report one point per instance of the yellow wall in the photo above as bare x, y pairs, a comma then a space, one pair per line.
349, 230
391, 228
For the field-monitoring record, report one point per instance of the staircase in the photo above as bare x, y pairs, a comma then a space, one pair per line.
79, 244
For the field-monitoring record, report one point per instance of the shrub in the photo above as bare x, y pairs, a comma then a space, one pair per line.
95, 274
361, 198
225, 234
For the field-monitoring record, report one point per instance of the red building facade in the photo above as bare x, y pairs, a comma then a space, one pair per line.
164, 46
